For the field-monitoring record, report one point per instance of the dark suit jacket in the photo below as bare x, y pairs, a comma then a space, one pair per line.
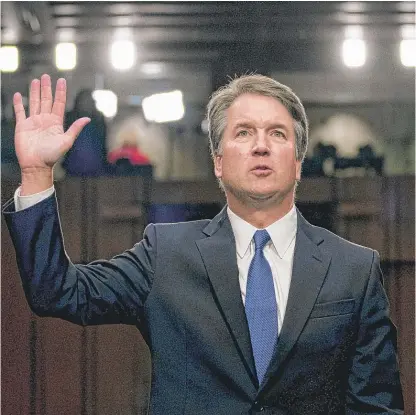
336, 352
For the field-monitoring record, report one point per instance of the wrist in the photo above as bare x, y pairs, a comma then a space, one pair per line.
35, 180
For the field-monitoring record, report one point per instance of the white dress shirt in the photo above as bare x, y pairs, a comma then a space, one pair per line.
24, 202
278, 251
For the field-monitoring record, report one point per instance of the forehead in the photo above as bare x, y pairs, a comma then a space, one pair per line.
259, 109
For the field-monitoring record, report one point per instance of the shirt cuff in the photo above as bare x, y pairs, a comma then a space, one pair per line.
24, 202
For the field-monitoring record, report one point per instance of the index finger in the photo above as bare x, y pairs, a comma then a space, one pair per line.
60, 98
19, 109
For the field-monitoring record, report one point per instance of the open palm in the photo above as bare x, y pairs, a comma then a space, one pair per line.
40, 139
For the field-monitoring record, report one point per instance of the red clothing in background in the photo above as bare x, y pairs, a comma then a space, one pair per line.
133, 154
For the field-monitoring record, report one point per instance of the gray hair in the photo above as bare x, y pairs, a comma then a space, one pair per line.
222, 99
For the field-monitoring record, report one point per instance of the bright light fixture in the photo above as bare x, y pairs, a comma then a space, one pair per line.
9, 58
66, 56
151, 68
408, 52
354, 52
106, 102
164, 107
123, 54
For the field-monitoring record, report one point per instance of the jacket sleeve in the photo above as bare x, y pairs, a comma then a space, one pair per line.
102, 292
374, 383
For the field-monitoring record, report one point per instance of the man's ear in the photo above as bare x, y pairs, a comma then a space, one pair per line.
218, 166
298, 169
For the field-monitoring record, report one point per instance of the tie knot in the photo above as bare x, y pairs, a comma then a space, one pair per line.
261, 238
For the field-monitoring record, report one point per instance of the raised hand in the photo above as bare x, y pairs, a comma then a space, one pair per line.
40, 139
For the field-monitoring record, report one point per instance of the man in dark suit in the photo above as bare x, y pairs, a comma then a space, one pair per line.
256, 311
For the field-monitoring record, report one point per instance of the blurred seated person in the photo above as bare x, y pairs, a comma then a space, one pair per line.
322, 163
8, 153
128, 150
151, 140
370, 160
124, 147
88, 156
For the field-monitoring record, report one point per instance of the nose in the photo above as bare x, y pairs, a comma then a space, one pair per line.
261, 145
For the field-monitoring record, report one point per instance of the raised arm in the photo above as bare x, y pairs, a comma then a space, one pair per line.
40, 139
103, 292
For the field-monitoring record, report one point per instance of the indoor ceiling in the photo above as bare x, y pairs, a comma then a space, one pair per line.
219, 37
196, 27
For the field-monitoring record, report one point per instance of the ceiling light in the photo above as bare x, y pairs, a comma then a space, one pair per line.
354, 52
123, 54
151, 68
65, 56
408, 52
164, 107
9, 58
106, 102
408, 45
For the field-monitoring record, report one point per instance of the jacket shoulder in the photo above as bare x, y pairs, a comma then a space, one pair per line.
179, 229
339, 245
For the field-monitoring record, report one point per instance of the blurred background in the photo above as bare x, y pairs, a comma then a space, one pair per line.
144, 71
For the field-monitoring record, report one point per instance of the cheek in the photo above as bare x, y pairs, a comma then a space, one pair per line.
233, 158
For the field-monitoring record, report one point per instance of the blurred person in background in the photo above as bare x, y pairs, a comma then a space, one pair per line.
88, 155
8, 152
255, 311
150, 139
124, 145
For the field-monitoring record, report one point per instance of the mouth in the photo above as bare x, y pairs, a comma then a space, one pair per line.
262, 169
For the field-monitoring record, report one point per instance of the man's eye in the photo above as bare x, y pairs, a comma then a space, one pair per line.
278, 134
242, 133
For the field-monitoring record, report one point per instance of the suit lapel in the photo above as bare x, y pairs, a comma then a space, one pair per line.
310, 266
220, 258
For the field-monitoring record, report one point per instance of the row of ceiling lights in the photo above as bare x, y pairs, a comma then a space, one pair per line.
123, 53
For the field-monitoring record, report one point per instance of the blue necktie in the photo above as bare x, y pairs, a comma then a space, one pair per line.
261, 307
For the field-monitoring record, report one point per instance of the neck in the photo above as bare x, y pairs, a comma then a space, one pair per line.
262, 213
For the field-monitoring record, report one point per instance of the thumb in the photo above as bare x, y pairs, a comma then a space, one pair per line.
76, 127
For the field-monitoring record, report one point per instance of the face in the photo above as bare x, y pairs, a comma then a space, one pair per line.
257, 161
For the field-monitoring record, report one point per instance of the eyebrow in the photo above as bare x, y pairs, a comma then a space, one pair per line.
243, 125
271, 127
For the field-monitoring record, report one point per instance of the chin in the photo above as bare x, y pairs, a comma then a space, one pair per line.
265, 191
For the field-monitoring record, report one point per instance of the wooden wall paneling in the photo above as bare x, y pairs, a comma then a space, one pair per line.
58, 343
69, 195
89, 336
399, 218
120, 216
123, 371
121, 375
315, 190
186, 192
406, 218
54, 367
360, 211
390, 207
399, 278
89, 364
59, 358
17, 370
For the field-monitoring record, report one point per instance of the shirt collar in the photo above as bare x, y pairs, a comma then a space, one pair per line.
281, 232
